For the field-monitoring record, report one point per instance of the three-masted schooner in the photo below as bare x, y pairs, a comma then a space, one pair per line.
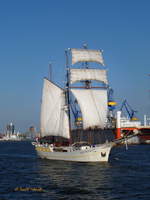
92, 100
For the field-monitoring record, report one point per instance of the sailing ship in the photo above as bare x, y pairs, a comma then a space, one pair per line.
57, 115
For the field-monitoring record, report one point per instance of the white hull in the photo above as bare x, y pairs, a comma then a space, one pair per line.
99, 153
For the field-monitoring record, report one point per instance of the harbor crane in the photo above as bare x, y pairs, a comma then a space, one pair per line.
129, 110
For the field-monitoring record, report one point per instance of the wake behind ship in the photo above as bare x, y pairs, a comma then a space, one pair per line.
83, 100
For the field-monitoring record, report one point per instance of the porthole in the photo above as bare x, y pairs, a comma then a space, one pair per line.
103, 154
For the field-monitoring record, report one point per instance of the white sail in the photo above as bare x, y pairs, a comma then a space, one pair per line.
86, 55
54, 120
93, 105
88, 74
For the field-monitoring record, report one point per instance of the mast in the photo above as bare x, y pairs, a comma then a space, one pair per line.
67, 93
50, 71
87, 82
85, 46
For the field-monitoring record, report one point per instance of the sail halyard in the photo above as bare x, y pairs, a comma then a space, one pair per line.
54, 119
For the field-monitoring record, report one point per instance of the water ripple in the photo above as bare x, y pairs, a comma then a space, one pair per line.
126, 176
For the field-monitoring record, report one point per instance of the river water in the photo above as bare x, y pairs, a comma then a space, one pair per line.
126, 176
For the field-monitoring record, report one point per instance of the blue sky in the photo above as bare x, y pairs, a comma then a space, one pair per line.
36, 32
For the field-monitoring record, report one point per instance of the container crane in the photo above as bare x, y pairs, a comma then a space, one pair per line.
129, 110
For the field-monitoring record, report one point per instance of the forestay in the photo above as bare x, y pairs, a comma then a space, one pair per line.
54, 120
93, 105
86, 55
88, 74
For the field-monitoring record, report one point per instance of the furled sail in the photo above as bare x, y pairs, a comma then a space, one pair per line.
87, 55
88, 74
93, 105
54, 119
